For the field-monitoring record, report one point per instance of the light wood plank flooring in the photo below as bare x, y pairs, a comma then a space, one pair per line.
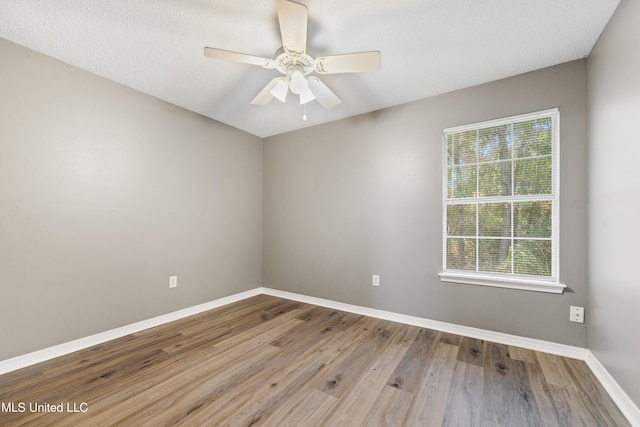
274, 362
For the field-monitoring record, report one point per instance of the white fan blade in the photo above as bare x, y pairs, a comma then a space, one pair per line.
293, 26
265, 96
323, 94
348, 63
228, 55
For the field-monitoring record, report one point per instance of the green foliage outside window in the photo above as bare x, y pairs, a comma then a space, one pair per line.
499, 198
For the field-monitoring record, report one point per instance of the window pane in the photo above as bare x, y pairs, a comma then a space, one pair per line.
532, 257
494, 255
461, 254
494, 143
463, 181
500, 202
461, 220
495, 179
533, 176
494, 219
533, 137
532, 219
465, 147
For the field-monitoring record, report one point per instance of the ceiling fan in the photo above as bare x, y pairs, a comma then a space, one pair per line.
295, 62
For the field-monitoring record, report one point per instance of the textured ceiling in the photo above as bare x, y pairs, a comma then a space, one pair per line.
428, 47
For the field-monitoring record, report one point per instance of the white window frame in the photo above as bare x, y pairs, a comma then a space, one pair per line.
505, 280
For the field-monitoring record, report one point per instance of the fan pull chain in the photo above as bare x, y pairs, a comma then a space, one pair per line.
304, 112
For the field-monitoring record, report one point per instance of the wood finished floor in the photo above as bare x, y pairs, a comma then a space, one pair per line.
274, 362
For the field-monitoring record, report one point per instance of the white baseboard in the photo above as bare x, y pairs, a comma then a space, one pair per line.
626, 405
29, 359
624, 402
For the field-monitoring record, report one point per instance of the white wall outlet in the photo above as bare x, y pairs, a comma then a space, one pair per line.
375, 280
173, 281
576, 314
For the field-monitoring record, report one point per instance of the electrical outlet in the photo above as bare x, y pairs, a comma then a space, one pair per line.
576, 314
375, 281
173, 281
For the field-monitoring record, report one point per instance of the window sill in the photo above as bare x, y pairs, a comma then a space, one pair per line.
507, 282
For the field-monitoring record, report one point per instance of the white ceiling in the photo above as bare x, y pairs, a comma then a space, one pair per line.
428, 47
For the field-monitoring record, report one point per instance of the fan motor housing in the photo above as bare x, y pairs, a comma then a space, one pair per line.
286, 62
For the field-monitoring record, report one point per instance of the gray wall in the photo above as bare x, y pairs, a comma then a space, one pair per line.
363, 196
105, 193
614, 193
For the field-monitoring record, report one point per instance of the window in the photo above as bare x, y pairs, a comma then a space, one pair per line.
500, 209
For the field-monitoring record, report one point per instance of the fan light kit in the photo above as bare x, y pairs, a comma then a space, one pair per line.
296, 63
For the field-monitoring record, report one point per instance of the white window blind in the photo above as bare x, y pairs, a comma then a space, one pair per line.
500, 208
